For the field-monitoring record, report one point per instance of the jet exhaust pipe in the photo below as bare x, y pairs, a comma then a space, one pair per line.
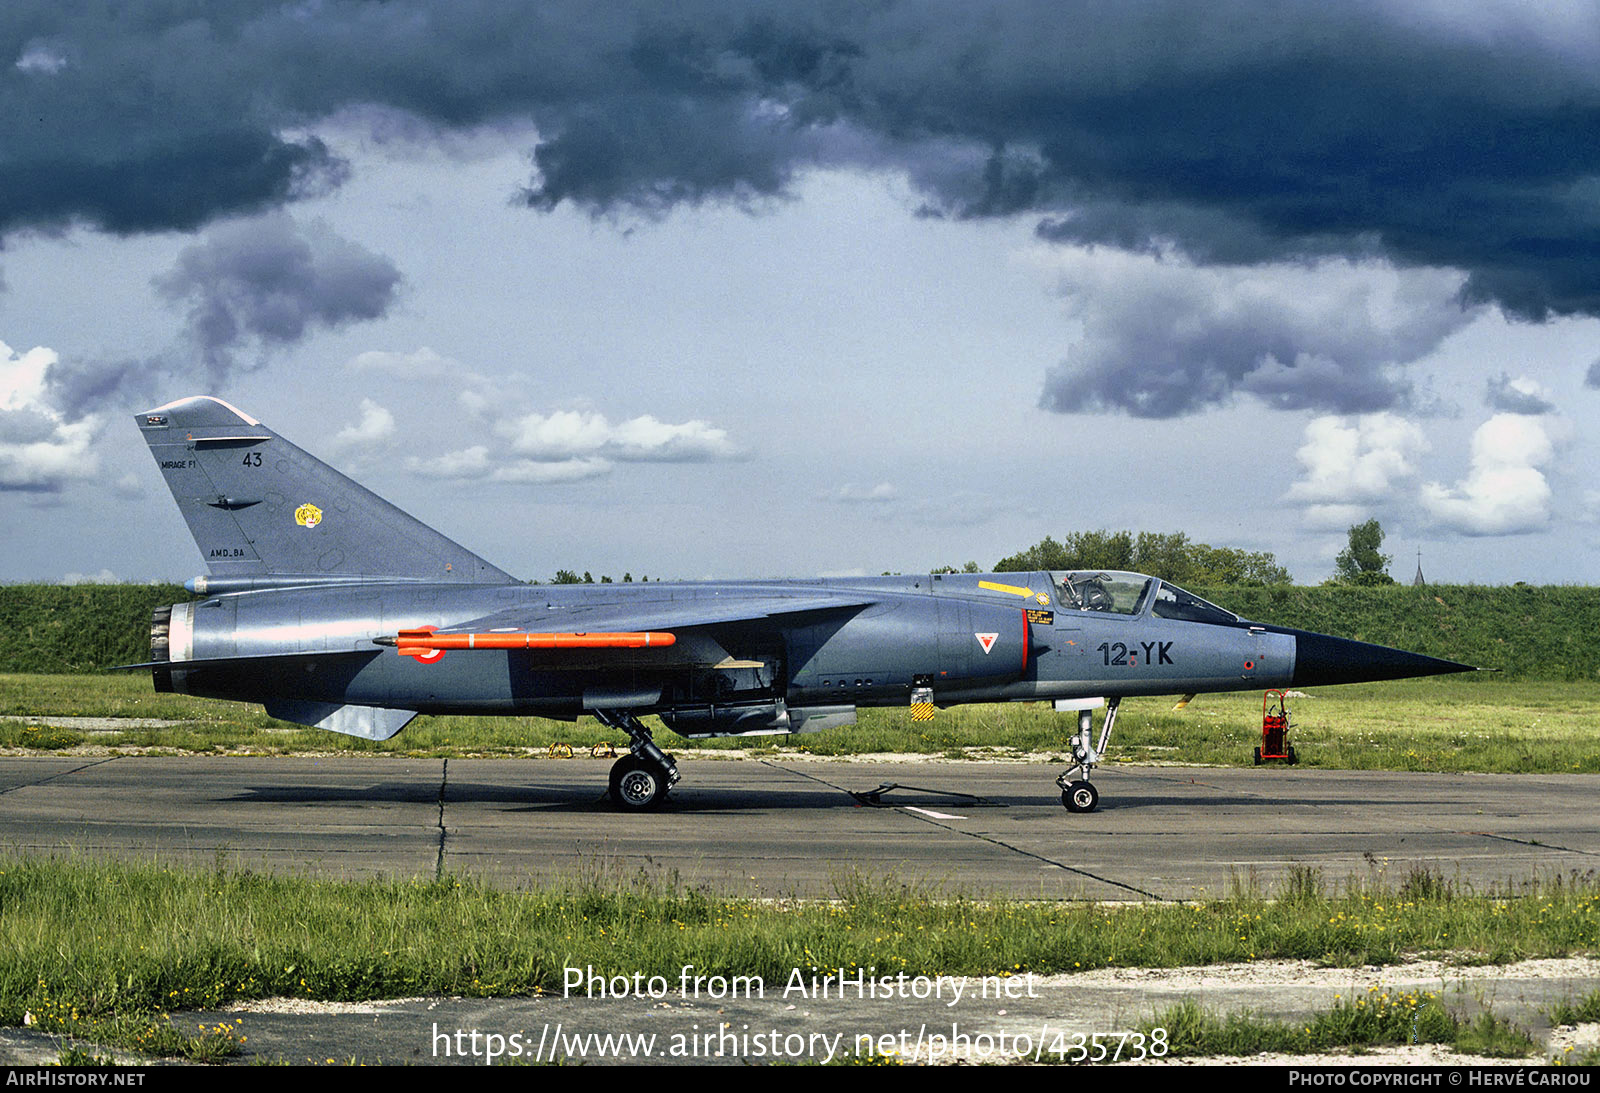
161, 648
171, 643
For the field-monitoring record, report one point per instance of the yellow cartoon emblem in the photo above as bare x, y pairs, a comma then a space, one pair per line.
308, 515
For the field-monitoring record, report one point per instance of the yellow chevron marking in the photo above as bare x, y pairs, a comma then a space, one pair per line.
1011, 588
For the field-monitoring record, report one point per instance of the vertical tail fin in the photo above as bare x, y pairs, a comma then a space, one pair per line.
258, 506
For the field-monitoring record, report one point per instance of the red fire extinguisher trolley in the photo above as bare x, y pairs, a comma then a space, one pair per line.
1275, 729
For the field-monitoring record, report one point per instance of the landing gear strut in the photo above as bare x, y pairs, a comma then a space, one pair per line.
639, 780
1078, 793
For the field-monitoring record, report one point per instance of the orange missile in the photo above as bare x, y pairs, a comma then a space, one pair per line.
410, 643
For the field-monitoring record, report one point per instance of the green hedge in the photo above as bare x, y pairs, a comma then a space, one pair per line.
78, 628
1547, 632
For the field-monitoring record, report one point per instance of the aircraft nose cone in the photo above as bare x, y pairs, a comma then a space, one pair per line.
1320, 660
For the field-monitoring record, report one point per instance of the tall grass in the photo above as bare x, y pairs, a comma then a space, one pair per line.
115, 936
1377, 1018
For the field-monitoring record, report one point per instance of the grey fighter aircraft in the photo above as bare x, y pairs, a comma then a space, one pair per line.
332, 608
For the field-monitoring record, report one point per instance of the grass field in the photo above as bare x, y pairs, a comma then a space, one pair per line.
1475, 723
105, 951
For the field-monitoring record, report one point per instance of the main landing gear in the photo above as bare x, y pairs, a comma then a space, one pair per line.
1078, 793
639, 780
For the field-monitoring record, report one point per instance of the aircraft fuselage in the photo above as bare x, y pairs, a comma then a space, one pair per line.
943, 632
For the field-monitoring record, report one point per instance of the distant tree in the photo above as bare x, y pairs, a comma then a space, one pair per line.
1217, 566
1081, 550
1045, 554
1362, 562
627, 578
1168, 556
566, 576
588, 578
970, 567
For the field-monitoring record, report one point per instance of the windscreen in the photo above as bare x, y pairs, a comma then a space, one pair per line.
1173, 602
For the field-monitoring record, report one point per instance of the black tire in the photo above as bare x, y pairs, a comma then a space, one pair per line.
1293, 758
1080, 797
637, 785
1258, 757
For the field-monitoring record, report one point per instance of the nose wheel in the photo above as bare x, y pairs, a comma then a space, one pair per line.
1080, 797
1077, 792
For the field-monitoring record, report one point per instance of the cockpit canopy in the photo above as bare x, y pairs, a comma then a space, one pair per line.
1122, 593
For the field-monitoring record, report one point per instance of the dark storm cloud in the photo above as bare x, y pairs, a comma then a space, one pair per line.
269, 281
1517, 396
661, 152
1162, 336
75, 388
1231, 132
250, 287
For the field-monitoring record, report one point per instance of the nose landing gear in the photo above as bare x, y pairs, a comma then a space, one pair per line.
1077, 792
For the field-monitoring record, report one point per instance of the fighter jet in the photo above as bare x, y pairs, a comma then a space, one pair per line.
332, 608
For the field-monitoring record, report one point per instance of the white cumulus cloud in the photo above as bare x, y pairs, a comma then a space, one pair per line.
477, 463
40, 452
375, 427
569, 434
1506, 492
574, 445
1350, 464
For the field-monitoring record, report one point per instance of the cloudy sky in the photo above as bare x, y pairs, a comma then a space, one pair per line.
736, 288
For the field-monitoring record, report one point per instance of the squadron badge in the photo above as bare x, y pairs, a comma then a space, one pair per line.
308, 515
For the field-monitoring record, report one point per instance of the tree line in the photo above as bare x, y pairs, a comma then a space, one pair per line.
1172, 556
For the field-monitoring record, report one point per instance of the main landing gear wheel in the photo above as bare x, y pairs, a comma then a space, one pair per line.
1080, 797
637, 784
639, 780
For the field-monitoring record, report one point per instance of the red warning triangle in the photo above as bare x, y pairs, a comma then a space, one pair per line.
987, 641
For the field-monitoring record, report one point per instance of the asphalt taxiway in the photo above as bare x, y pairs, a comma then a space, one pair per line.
784, 827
